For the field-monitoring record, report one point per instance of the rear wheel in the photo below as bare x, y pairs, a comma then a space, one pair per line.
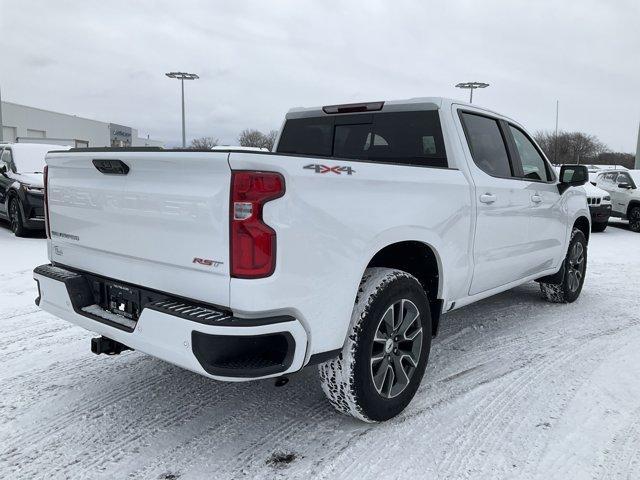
382, 363
15, 219
599, 227
575, 268
634, 219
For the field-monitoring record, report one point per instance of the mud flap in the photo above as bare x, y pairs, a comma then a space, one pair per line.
555, 279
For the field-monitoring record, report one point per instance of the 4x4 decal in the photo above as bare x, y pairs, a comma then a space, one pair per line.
326, 169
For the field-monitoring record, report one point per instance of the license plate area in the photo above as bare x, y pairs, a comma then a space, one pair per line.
121, 300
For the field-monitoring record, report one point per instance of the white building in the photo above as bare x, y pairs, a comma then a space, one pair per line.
21, 123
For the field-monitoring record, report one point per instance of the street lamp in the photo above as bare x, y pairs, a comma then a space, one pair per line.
472, 86
182, 76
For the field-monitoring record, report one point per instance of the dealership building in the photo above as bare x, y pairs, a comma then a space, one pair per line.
21, 123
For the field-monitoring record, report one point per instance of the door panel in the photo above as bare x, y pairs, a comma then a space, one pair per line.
501, 247
547, 226
501, 250
547, 219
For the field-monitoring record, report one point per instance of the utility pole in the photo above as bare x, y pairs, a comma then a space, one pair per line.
1, 124
182, 76
637, 150
555, 138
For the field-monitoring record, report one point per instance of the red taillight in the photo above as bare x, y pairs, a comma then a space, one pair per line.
253, 242
46, 201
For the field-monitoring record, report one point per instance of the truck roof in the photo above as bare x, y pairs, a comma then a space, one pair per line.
416, 103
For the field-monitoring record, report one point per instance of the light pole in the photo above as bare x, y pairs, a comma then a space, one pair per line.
1, 127
182, 76
472, 86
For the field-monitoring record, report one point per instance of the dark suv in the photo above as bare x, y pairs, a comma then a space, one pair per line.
22, 185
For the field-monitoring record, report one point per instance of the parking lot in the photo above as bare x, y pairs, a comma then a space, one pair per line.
515, 385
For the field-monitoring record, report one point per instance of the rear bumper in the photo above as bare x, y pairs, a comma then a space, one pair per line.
200, 338
600, 213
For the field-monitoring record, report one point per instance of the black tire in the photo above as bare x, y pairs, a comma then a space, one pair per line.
599, 227
355, 382
634, 218
15, 219
575, 269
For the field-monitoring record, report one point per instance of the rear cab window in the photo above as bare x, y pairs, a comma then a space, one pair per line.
406, 138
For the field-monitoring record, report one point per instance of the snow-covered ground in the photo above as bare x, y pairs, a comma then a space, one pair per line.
515, 388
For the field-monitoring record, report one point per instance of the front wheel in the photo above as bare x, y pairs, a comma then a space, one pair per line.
15, 218
634, 219
575, 268
385, 355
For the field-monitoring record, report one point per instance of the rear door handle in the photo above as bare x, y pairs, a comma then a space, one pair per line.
536, 198
488, 198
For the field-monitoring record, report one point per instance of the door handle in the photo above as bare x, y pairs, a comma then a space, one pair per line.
536, 198
488, 198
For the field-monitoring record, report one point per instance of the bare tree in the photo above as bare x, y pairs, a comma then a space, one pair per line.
570, 147
270, 139
204, 143
251, 138
255, 138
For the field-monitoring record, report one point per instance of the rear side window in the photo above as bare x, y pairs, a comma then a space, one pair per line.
410, 138
533, 165
487, 145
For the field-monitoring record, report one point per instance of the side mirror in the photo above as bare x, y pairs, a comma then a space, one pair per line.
3, 168
572, 176
624, 185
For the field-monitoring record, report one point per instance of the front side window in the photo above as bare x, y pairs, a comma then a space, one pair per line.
487, 146
623, 178
533, 165
409, 138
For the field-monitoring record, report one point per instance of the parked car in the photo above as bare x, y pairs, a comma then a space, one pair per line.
22, 185
342, 248
625, 196
599, 202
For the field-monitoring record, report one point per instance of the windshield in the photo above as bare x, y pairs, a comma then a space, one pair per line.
30, 159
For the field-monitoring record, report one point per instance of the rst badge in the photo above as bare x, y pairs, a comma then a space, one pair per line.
325, 169
206, 262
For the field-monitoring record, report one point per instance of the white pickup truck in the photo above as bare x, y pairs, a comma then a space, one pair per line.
343, 248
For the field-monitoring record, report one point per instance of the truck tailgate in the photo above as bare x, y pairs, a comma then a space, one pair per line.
163, 225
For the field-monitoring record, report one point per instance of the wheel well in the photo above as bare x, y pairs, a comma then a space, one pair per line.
582, 224
419, 260
11, 194
632, 203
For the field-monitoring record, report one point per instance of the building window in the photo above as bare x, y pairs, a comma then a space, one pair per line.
36, 133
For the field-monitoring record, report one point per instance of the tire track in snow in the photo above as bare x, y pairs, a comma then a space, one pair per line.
179, 405
624, 461
271, 433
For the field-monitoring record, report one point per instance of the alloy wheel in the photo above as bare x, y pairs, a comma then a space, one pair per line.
576, 266
14, 216
634, 219
396, 348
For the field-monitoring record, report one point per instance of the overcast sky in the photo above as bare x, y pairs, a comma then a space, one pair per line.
106, 60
